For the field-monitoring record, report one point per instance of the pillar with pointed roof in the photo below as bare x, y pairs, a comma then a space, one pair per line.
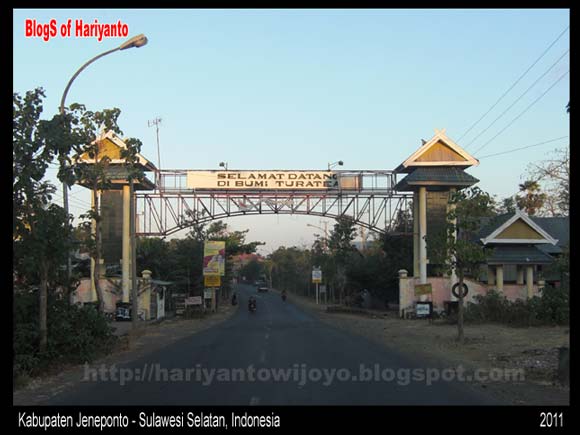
434, 171
115, 204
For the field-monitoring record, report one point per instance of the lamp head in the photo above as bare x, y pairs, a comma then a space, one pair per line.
135, 41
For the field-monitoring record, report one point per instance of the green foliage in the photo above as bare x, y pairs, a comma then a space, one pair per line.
551, 308
531, 198
75, 334
252, 270
461, 252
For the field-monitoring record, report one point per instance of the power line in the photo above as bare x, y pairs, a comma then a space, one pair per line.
519, 98
522, 113
523, 148
515, 83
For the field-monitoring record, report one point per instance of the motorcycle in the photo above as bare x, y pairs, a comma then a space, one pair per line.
252, 305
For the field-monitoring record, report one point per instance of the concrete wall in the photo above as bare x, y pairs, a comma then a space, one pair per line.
112, 294
442, 291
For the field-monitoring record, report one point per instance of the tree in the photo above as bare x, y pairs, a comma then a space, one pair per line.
553, 175
153, 254
531, 198
456, 250
508, 205
40, 253
41, 231
340, 245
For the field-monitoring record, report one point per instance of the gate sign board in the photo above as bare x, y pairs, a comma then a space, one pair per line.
263, 180
214, 258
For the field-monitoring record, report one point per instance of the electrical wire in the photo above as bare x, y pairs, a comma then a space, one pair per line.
515, 83
522, 113
523, 148
518, 99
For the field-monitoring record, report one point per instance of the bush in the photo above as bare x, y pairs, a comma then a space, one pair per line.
552, 308
75, 334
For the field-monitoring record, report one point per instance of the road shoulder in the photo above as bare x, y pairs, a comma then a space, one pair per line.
490, 348
130, 347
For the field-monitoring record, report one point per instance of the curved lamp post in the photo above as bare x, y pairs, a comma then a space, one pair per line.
136, 41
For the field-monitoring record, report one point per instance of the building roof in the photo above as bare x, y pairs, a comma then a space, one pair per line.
557, 228
519, 228
111, 145
518, 254
440, 150
436, 176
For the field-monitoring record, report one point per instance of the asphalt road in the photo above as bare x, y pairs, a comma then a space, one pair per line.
245, 354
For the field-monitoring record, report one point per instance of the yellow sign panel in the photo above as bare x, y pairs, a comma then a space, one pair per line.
212, 280
423, 289
214, 258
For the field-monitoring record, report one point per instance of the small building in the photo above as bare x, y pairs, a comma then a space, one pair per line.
524, 251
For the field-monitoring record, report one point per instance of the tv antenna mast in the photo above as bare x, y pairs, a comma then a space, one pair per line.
156, 123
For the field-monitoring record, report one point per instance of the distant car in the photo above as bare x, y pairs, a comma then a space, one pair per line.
262, 288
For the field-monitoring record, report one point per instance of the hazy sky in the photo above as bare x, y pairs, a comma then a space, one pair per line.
297, 89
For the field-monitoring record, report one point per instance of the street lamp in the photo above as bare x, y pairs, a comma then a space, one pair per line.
224, 165
332, 165
136, 41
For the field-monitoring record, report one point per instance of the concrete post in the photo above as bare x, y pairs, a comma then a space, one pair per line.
147, 294
530, 281
93, 264
416, 234
520, 275
423, 234
490, 275
403, 290
126, 260
499, 277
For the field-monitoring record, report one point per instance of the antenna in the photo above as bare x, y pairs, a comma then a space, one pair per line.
156, 123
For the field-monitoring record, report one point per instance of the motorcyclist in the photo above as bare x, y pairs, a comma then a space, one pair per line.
251, 303
234, 299
283, 295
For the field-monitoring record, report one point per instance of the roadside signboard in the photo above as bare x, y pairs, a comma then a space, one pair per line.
193, 300
214, 258
322, 289
207, 293
212, 280
423, 289
424, 309
316, 276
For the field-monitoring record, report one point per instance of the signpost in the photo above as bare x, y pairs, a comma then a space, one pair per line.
317, 279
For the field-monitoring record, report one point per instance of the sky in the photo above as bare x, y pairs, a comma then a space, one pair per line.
298, 89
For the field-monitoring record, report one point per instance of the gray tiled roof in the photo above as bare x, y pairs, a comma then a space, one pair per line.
517, 254
437, 175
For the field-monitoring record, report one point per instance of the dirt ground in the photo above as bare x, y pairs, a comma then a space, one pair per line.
131, 346
487, 347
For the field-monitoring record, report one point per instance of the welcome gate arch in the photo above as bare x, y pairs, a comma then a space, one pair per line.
184, 197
